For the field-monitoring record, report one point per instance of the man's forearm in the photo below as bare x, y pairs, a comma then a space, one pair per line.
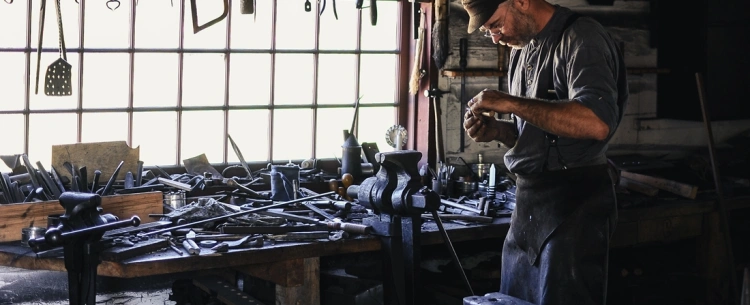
568, 119
506, 133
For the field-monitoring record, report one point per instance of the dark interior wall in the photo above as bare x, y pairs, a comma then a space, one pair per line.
709, 37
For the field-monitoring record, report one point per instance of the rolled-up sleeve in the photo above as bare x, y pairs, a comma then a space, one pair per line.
592, 75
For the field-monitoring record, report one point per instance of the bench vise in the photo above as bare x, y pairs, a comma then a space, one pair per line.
397, 196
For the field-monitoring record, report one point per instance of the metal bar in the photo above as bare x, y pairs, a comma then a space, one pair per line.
204, 51
272, 81
175, 184
719, 192
452, 251
459, 206
255, 210
180, 79
131, 77
193, 108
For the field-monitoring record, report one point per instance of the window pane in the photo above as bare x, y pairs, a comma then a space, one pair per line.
330, 131
374, 123
104, 127
293, 79
14, 36
106, 82
249, 130
378, 77
203, 80
41, 101
156, 134
339, 34
212, 37
155, 80
203, 133
157, 24
50, 129
69, 12
295, 28
106, 28
252, 31
384, 35
12, 83
13, 138
292, 134
249, 79
337, 79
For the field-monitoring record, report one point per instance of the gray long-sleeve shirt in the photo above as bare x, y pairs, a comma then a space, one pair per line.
588, 69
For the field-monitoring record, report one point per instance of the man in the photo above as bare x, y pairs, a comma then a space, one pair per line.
556, 251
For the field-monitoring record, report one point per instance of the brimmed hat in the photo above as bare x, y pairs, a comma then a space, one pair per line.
479, 12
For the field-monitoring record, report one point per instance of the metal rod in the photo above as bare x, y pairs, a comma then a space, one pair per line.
448, 243
724, 219
265, 208
459, 206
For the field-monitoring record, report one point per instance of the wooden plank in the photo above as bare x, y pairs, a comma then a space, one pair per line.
309, 292
679, 188
639, 187
14, 217
669, 229
104, 156
288, 273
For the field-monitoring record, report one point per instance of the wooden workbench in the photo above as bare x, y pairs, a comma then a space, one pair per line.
293, 266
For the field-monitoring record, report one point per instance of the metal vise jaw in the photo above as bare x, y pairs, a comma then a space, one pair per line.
397, 188
396, 194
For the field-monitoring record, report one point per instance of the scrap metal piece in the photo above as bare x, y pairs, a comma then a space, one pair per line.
191, 247
298, 236
239, 156
111, 182
175, 184
32, 172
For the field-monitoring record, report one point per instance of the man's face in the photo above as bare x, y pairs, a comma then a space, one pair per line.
509, 26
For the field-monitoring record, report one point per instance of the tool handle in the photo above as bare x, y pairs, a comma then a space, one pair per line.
373, 12
350, 227
359, 4
463, 49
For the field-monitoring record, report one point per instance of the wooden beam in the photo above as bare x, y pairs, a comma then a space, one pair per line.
308, 292
679, 188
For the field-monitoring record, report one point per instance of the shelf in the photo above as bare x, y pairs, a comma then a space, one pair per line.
473, 72
490, 72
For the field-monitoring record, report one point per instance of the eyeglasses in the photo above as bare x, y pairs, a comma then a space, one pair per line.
488, 32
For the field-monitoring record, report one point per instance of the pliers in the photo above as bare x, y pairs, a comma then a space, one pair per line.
323, 8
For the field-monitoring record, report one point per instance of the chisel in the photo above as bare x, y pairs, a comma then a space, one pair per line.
463, 49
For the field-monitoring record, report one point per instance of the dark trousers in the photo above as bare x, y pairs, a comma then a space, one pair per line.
571, 265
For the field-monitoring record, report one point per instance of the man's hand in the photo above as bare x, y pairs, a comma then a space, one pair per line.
480, 128
489, 101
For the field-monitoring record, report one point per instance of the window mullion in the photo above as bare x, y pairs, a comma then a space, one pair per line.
227, 74
273, 81
27, 80
357, 67
131, 68
79, 108
316, 61
180, 72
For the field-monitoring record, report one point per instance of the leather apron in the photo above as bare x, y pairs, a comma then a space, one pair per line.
556, 249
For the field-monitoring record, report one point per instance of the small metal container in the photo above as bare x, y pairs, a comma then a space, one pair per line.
30, 233
175, 200
468, 187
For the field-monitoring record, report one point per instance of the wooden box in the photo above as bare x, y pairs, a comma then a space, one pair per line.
14, 217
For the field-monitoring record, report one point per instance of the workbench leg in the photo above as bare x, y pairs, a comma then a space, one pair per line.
308, 292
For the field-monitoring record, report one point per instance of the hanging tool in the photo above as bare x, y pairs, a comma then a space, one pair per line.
112, 5
724, 218
373, 12
463, 49
42, 10
440, 45
194, 11
308, 6
416, 69
58, 80
322, 6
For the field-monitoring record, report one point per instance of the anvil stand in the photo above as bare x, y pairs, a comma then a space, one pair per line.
79, 232
398, 197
